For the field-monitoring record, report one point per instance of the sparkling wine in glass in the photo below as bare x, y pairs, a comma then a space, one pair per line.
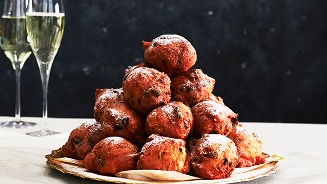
45, 20
13, 41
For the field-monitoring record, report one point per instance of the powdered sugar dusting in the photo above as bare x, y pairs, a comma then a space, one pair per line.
168, 109
142, 71
216, 139
167, 39
92, 126
215, 108
114, 112
112, 93
113, 140
158, 141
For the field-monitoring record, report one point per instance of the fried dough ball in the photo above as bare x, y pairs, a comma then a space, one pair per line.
82, 139
214, 156
131, 68
105, 96
249, 146
146, 89
171, 120
191, 87
119, 119
164, 153
213, 118
171, 54
112, 155
217, 99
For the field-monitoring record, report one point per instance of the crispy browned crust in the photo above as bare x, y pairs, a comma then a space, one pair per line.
249, 146
164, 153
112, 155
104, 97
119, 119
171, 54
82, 139
192, 87
171, 120
213, 118
146, 88
213, 156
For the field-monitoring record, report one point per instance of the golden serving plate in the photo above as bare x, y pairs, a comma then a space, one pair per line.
77, 168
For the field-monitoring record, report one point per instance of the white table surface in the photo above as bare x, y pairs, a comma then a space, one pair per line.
303, 147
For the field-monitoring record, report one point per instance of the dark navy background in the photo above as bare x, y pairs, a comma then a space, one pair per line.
268, 57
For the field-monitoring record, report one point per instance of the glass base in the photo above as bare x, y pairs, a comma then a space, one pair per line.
41, 133
17, 124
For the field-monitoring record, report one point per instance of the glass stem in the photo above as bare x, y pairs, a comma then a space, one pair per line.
45, 73
17, 105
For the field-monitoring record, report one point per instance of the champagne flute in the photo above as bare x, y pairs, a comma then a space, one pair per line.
16, 47
45, 20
